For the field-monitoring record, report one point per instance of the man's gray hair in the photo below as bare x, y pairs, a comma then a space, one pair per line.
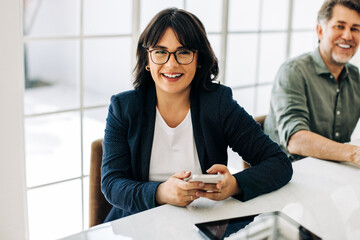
326, 10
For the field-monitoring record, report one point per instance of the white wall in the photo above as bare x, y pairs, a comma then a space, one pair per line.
13, 220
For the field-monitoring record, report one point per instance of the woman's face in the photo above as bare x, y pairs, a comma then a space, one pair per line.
172, 78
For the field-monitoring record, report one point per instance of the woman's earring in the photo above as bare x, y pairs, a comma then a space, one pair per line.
147, 68
199, 66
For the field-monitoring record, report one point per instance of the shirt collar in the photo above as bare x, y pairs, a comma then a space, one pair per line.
321, 68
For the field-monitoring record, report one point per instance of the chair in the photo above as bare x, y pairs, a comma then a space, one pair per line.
99, 207
260, 120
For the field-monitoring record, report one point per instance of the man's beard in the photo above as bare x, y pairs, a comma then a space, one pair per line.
340, 60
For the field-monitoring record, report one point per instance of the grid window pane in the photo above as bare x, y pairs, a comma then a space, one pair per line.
263, 96
51, 77
302, 42
305, 13
86, 195
245, 98
46, 17
213, 8
271, 57
53, 150
107, 17
241, 59
107, 69
278, 21
215, 41
244, 15
150, 8
94, 124
55, 211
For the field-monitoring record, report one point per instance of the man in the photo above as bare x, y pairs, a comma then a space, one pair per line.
315, 102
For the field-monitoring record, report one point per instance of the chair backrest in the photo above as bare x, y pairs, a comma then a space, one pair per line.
99, 207
260, 120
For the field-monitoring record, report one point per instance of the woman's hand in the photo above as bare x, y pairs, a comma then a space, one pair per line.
176, 191
224, 188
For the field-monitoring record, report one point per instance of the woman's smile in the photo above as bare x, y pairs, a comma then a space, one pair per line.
172, 76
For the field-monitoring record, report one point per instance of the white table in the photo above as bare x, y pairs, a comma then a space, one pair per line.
323, 196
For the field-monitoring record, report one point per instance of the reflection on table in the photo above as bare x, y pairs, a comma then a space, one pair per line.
323, 196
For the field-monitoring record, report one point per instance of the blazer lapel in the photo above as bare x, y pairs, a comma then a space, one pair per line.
198, 136
147, 131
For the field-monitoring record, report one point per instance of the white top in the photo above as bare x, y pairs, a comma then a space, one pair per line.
173, 149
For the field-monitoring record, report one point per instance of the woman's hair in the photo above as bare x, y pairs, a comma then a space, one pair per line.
326, 10
190, 32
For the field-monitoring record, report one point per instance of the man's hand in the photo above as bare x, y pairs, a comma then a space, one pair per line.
354, 155
309, 144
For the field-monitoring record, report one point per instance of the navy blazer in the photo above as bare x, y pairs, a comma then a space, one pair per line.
218, 122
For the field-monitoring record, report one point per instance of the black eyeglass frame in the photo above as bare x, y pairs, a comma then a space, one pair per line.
192, 50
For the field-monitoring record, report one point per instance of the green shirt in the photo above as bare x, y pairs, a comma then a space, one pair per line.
305, 96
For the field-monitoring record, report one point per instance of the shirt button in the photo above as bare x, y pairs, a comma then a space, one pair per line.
331, 76
337, 134
338, 112
337, 90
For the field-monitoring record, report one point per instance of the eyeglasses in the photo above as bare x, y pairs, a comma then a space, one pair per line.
162, 56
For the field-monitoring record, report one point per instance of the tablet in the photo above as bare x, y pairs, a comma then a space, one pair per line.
264, 226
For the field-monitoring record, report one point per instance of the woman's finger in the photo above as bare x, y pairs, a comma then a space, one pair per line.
182, 174
217, 168
211, 188
210, 195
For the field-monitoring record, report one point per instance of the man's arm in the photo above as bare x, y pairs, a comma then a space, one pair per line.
307, 143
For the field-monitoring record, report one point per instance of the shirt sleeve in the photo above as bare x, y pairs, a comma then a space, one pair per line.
118, 183
289, 102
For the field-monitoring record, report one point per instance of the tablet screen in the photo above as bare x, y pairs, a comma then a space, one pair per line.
273, 225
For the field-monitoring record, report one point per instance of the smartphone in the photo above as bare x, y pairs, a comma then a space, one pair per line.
206, 178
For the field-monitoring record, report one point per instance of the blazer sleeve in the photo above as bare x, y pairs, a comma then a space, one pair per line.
118, 172
271, 168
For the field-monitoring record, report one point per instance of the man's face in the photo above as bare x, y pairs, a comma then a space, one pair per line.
339, 37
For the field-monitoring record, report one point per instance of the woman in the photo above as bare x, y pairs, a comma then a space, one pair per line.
178, 122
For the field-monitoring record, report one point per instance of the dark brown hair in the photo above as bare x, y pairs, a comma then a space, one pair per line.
190, 32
